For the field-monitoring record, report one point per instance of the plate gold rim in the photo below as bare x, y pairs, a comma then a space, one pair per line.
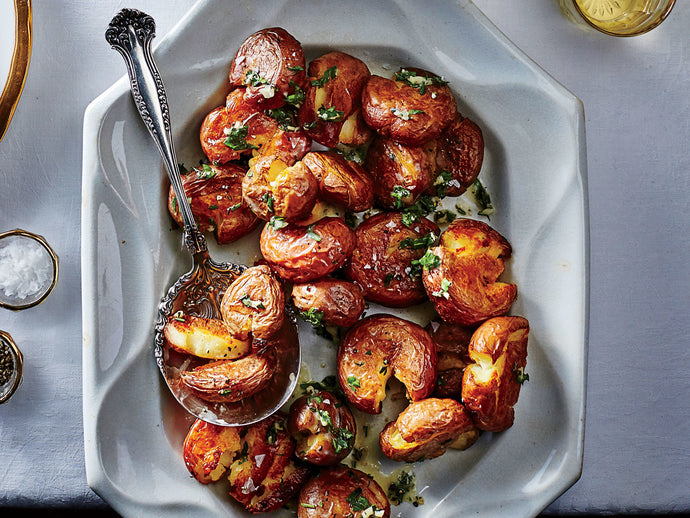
19, 66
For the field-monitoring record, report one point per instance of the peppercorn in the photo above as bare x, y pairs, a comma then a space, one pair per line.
6, 364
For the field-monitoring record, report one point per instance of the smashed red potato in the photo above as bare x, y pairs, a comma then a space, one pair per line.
209, 449
459, 154
452, 341
339, 302
381, 346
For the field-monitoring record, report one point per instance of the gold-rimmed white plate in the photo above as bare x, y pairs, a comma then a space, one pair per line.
15, 53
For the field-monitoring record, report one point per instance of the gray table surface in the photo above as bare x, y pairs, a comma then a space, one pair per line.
637, 106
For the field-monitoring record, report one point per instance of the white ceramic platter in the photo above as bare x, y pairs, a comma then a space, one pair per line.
534, 168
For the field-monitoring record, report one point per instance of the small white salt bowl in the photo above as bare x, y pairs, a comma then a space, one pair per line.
28, 269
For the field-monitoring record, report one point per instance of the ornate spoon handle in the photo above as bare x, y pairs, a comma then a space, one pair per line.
130, 33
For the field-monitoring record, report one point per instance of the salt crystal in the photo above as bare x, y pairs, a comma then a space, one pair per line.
25, 268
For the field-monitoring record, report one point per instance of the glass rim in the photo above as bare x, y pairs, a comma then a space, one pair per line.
664, 14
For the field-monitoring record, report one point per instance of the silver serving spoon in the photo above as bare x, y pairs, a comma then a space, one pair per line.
199, 291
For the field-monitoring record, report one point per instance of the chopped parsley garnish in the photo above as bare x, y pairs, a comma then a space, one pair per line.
521, 375
441, 183
315, 318
429, 261
357, 154
398, 193
213, 207
357, 501
424, 241
483, 198
254, 79
413, 79
267, 198
310, 125
424, 205
329, 384
460, 210
444, 216
224, 392
330, 114
387, 280
254, 304
295, 99
329, 73
353, 382
277, 222
272, 433
206, 172
237, 138
308, 506
312, 234
399, 489
284, 117
296, 68
235, 206
244, 453
405, 115
443, 292
323, 416
342, 439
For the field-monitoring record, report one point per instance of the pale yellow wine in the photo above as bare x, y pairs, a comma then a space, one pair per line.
619, 15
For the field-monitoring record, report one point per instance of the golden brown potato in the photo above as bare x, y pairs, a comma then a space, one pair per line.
333, 99
342, 492
341, 182
382, 262
227, 381
323, 428
381, 346
254, 303
270, 64
302, 254
451, 342
287, 146
271, 188
204, 338
491, 385
425, 428
209, 449
460, 155
401, 173
462, 280
264, 476
412, 108
332, 301
216, 200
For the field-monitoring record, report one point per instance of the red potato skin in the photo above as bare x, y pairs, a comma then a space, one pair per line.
297, 257
380, 267
341, 182
325, 495
392, 164
340, 301
274, 55
214, 202
342, 92
460, 151
381, 95
402, 347
490, 387
452, 341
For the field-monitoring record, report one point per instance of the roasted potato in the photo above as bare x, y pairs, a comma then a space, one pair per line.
287, 146
209, 450
342, 492
227, 381
216, 200
462, 282
451, 342
381, 346
459, 156
412, 108
382, 262
491, 384
339, 303
323, 428
264, 475
302, 254
330, 113
425, 428
270, 64
254, 304
205, 338
341, 182
401, 173
271, 188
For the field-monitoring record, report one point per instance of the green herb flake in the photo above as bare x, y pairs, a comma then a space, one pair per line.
244, 453
213, 207
424, 205
235, 207
444, 216
424, 241
430, 260
353, 382
295, 99
267, 198
277, 222
443, 292
254, 304
483, 199
521, 375
312, 234
388, 279
329, 384
237, 138
254, 79
398, 193
296, 68
329, 73
357, 501
206, 172
323, 417
329, 114
405, 115
307, 506
397, 491
441, 183
342, 439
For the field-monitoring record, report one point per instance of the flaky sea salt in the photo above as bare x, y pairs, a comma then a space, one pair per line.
25, 267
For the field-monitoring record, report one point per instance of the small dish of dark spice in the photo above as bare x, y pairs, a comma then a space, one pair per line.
11, 362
